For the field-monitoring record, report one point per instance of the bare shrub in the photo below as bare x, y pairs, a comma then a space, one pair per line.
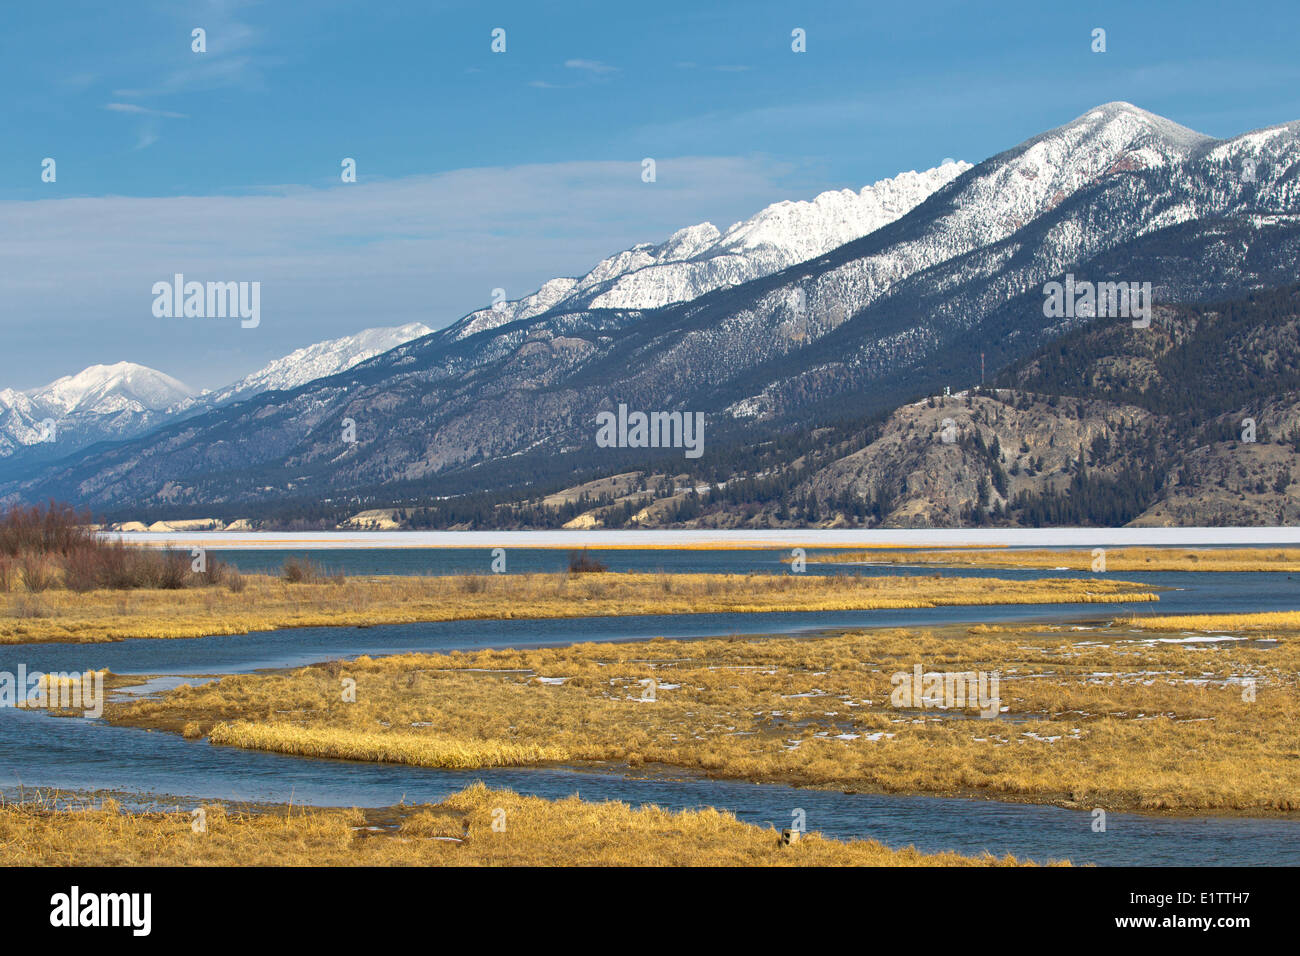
580, 562
471, 583
52, 529
305, 571
83, 570
172, 571
38, 572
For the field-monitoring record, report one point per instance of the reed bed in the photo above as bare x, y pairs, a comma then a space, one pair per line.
1117, 559
264, 602
1284, 621
457, 832
421, 750
1106, 717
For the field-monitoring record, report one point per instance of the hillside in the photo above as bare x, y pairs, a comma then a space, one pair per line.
1107, 426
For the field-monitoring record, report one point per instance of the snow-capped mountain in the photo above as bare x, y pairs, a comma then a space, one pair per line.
114, 402
307, 364
1116, 194
102, 401
110, 389
700, 258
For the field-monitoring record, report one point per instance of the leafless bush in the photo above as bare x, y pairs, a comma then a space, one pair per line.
52, 529
471, 583
38, 572
582, 563
306, 571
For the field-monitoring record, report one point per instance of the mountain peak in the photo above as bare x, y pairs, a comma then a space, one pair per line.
121, 386
1137, 123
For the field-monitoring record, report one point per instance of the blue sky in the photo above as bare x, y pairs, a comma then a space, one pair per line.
478, 170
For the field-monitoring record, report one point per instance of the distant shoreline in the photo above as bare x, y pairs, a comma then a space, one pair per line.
709, 539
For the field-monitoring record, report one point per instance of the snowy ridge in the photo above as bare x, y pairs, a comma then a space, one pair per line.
312, 362
700, 258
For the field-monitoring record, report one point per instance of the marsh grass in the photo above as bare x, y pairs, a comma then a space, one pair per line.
1107, 717
421, 750
1117, 559
263, 602
1264, 621
456, 832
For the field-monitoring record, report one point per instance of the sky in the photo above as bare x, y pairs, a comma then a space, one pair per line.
478, 170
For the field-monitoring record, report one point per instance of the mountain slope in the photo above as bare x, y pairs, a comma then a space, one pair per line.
105, 389
1101, 427
1194, 421
1115, 194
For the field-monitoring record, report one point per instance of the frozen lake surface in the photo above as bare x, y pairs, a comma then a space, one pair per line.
689, 538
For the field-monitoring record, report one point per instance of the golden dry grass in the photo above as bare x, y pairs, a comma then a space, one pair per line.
421, 750
1117, 559
267, 603
1106, 717
1263, 621
457, 832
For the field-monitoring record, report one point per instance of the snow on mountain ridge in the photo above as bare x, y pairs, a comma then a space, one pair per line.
701, 258
314, 361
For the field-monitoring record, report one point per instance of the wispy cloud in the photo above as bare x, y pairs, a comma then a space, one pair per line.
591, 66
144, 110
723, 68
148, 132
227, 62
231, 59
148, 136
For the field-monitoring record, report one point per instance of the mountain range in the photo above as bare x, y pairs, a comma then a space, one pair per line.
784, 331
113, 402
